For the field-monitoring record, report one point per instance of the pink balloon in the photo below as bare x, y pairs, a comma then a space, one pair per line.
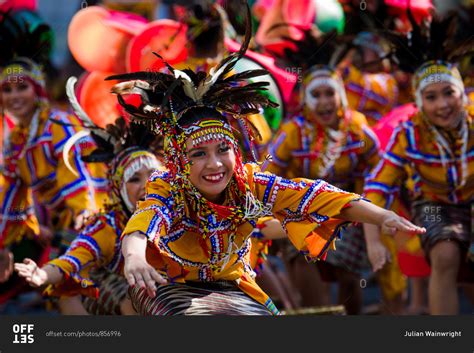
18, 5
301, 13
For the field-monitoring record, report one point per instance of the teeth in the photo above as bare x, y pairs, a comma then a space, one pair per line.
214, 177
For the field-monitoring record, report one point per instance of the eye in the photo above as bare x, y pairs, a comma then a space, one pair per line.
224, 148
330, 93
22, 87
134, 179
430, 97
450, 92
315, 94
197, 154
6, 89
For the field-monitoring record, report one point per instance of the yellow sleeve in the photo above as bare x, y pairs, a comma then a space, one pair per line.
153, 216
86, 190
383, 181
93, 248
17, 214
281, 148
306, 209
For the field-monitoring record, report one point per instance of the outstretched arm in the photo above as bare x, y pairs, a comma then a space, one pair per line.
377, 220
137, 271
37, 276
366, 212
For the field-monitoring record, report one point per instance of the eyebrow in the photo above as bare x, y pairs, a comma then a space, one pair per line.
196, 149
205, 147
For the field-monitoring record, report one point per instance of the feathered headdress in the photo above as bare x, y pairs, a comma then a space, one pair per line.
317, 55
313, 49
124, 146
434, 40
430, 51
165, 98
25, 51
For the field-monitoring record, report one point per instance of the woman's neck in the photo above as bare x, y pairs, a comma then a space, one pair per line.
25, 120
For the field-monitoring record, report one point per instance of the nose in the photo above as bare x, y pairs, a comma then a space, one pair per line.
213, 162
442, 103
327, 101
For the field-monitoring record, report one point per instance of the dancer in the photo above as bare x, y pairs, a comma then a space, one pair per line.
432, 150
326, 139
93, 263
199, 215
34, 163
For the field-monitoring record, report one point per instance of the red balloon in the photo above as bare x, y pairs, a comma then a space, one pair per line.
165, 37
95, 98
98, 38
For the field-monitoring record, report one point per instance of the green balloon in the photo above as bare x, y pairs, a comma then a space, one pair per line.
329, 15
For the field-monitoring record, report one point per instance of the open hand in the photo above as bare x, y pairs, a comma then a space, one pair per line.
81, 220
392, 223
378, 255
29, 270
138, 272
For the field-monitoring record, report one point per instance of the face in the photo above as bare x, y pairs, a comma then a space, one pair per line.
212, 167
443, 104
136, 185
326, 104
19, 98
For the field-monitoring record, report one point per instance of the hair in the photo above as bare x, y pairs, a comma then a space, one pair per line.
205, 29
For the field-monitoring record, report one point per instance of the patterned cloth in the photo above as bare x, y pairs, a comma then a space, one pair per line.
113, 289
413, 154
296, 152
195, 298
443, 222
98, 245
351, 251
373, 94
34, 165
304, 207
298, 147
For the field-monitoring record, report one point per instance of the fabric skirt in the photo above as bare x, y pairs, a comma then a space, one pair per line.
112, 291
445, 222
196, 298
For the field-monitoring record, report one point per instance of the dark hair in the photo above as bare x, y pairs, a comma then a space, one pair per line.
208, 40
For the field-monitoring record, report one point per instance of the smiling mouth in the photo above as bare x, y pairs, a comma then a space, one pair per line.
16, 105
214, 178
325, 112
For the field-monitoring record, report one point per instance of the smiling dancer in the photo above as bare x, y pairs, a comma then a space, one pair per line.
199, 215
433, 151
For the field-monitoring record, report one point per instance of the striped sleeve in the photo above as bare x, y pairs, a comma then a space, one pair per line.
306, 209
153, 216
79, 192
383, 181
280, 149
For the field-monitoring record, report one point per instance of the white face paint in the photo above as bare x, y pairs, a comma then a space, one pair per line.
312, 102
139, 165
438, 78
